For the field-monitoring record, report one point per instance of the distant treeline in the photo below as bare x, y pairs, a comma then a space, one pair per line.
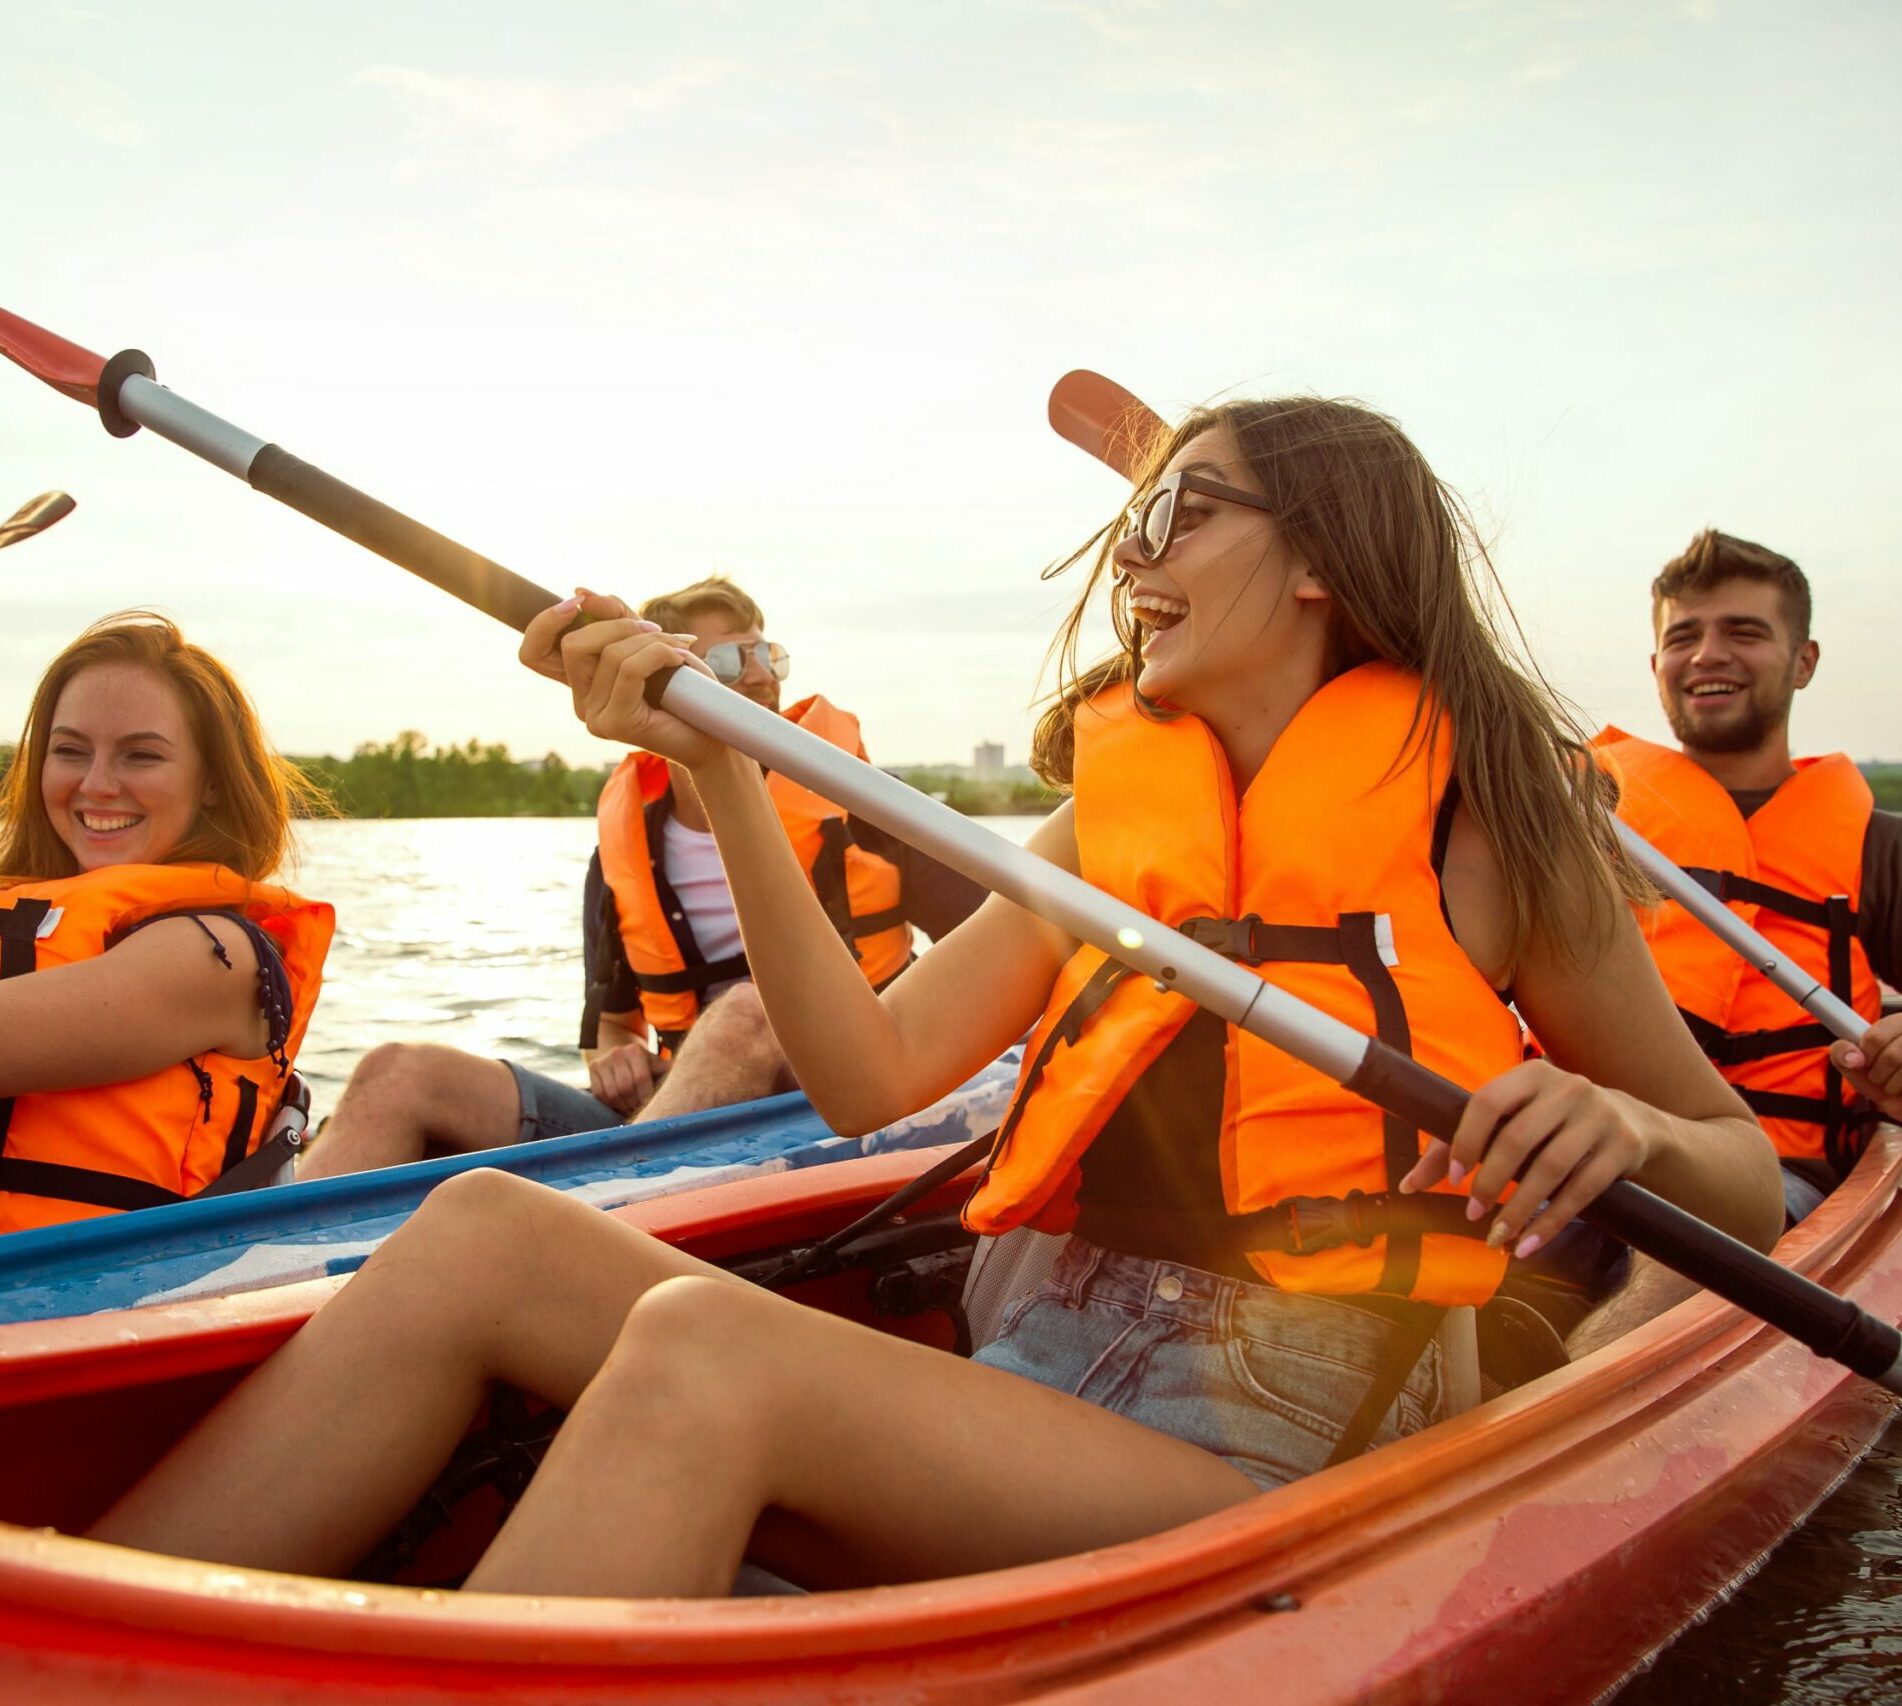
1885, 782
407, 778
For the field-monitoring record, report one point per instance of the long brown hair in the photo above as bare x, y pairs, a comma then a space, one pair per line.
248, 829
1410, 582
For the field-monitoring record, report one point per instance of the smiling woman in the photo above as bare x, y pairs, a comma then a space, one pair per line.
143, 812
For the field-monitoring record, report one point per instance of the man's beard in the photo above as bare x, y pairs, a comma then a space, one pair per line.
1744, 732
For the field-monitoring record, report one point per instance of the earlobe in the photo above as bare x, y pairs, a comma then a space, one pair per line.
1807, 656
1308, 588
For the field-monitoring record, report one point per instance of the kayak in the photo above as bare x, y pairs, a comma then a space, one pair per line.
254, 1239
1538, 1547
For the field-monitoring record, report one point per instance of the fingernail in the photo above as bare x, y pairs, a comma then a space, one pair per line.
1455, 1171
643, 626
1853, 1060
567, 607
1475, 1209
1527, 1245
1407, 1186
1497, 1236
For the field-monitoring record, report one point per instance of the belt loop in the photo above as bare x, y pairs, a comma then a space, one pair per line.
1089, 1258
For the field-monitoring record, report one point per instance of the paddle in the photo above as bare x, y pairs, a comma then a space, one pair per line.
1829, 1325
34, 516
1119, 429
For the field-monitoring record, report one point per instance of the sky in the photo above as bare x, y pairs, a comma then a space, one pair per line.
621, 294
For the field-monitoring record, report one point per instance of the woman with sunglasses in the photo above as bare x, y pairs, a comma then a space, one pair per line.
1312, 750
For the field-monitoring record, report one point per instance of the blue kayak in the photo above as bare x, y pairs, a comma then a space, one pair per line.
255, 1239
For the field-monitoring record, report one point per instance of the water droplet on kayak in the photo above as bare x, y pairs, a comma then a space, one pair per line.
355, 1598
1128, 938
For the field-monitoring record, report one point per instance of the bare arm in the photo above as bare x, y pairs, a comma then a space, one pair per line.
867, 1059
863, 1059
1625, 1092
161, 996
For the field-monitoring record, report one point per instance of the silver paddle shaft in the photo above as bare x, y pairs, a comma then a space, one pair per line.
1836, 1015
1134, 938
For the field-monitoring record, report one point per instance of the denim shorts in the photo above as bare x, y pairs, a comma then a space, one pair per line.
1265, 1379
551, 1108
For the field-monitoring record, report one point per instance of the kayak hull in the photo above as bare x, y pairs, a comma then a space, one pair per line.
1543, 1544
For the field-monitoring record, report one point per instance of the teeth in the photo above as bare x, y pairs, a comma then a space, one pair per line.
101, 825
1713, 689
1156, 611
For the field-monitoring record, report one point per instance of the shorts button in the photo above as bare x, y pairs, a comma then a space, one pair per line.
1169, 1288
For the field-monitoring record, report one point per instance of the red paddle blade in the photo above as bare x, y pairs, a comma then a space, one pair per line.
1098, 415
35, 517
66, 367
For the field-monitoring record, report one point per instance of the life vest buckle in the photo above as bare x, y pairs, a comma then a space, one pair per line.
1325, 1223
1233, 937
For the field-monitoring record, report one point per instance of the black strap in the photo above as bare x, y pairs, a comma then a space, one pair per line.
1728, 886
828, 878
19, 954
1100, 986
1842, 1143
1295, 1226
1398, 1359
238, 1142
1735, 1048
80, 1184
694, 977
1355, 944
1777, 1106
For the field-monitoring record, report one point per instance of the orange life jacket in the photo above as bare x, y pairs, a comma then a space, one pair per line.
76, 1154
860, 890
1334, 846
1793, 869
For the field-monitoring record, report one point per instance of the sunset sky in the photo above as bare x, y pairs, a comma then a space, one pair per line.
626, 292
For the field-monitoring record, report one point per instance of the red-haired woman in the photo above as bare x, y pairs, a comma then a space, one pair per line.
171, 982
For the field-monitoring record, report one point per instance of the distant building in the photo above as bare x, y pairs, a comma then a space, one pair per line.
987, 759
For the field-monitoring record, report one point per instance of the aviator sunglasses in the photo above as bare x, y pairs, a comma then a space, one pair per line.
728, 659
1152, 524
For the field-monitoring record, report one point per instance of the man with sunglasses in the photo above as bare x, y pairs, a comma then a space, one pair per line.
671, 1024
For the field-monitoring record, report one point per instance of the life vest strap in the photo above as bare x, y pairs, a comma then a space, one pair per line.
81, 1184
19, 931
1295, 1226
1819, 914
1354, 943
694, 977
1735, 1048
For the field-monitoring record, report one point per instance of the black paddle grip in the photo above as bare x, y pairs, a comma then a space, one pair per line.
465, 574
1390, 1080
114, 374
657, 683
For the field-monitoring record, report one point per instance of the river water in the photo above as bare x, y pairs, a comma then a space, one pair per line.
467, 932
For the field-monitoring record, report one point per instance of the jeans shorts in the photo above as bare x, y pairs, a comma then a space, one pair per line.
1265, 1379
551, 1108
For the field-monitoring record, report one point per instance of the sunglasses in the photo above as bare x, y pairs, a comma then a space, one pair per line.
1152, 524
728, 660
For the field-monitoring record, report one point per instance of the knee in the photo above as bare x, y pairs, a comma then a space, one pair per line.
688, 1344
396, 1069
739, 1019
480, 1215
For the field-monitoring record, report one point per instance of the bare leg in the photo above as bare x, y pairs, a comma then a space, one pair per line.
729, 1422
405, 1096
730, 1055
323, 1449
1651, 1289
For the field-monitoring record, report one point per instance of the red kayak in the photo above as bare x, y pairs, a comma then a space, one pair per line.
1536, 1548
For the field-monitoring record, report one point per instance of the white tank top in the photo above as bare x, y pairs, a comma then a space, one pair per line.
690, 860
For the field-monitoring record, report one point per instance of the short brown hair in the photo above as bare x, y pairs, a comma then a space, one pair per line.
249, 828
675, 611
1714, 557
